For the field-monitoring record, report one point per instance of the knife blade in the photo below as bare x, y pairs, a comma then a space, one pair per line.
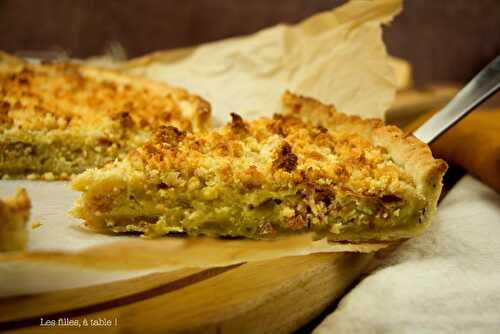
478, 90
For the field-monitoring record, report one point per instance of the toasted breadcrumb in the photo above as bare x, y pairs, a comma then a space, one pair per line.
36, 224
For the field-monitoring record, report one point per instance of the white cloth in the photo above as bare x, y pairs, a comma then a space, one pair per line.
445, 281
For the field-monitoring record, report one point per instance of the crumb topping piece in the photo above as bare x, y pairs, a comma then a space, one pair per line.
285, 159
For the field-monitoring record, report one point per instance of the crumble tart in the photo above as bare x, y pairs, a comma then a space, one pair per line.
309, 169
60, 119
14, 214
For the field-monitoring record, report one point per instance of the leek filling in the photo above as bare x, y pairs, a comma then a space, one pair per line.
23, 158
258, 214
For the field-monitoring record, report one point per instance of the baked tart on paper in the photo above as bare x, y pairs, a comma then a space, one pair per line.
14, 214
308, 169
60, 119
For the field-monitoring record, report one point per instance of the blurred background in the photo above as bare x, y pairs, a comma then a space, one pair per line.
445, 40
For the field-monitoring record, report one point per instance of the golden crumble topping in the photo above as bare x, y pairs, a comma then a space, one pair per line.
60, 96
272, 154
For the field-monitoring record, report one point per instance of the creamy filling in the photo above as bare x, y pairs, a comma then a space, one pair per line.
257, 214
58, 157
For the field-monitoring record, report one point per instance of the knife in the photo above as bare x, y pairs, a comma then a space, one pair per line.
478, 90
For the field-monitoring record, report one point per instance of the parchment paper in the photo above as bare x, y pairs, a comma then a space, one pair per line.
336, 56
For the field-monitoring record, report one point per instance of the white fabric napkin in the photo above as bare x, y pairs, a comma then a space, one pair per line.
445, 281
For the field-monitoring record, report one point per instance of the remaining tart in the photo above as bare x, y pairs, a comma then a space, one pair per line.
309, 169
14, 214
60, 119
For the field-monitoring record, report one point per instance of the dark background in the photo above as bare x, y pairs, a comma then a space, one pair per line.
445, 40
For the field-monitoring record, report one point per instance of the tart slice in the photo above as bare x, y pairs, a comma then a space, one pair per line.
60, 119
14, 214
310, 169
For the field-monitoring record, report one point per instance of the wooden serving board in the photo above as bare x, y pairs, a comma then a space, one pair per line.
276, 296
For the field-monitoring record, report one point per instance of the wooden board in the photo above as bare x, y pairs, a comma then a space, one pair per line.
277, 296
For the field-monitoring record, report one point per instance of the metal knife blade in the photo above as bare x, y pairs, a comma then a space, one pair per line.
480, 88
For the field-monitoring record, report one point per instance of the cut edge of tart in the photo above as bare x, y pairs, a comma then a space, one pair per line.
60, 119
309, 169
412, 155
14, 214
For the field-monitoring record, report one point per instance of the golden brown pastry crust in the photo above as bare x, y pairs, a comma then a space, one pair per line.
407, 151
14, 213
